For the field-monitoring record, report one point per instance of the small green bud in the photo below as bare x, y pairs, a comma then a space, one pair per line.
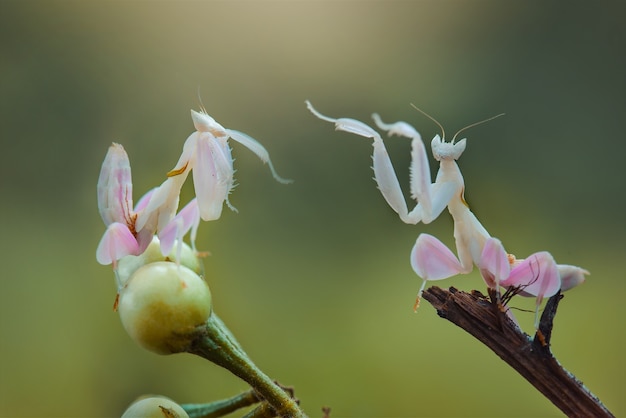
155, 407
162, 304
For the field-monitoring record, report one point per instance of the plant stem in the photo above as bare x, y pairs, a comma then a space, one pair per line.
264, 410
216, 343
532, 358
223, 407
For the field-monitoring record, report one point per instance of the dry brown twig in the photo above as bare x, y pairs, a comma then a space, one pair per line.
484, 319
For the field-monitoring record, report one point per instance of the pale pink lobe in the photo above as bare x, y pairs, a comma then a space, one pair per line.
169, 235
494, 263
115, 188
537, 275
432, 260
161, 206
571, 276
212, 176
144, 238
143, 201
117, 242
188, 218
144, 235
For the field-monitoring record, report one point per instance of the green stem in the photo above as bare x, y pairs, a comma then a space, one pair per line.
264, 410
223, 407
216, 343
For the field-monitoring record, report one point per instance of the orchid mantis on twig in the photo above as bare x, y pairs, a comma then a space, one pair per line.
432, 198
430, 258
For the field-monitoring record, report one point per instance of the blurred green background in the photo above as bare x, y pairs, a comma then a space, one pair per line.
312, 277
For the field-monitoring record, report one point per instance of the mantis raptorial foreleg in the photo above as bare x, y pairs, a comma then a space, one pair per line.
432, 198
384, 174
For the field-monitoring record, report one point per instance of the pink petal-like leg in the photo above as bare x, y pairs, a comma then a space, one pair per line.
432, 260
187, 219
537, 275
494, 263
571, 276
117, 242
212, 177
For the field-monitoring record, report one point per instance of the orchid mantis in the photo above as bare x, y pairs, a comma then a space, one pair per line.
537, 276
130, 230
432, 198
115, 203
206, 151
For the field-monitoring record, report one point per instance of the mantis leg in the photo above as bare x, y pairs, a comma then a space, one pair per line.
254, 146
432, 198
384, 173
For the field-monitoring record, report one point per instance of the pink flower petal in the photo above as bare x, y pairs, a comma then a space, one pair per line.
432, 260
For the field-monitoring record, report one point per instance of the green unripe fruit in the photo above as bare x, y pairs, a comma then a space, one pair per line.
128, 265
161, 306
155, 407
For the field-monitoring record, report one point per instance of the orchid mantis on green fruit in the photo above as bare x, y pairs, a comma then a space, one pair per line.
537, 276
130, 229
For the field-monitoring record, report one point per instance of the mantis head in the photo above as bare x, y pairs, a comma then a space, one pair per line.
205, 123
443, 150
452, 150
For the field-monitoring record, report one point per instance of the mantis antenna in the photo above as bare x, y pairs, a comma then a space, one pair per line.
443, 132
200, 100
476, 123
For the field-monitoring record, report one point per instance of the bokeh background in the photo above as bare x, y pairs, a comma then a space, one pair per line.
312, 277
